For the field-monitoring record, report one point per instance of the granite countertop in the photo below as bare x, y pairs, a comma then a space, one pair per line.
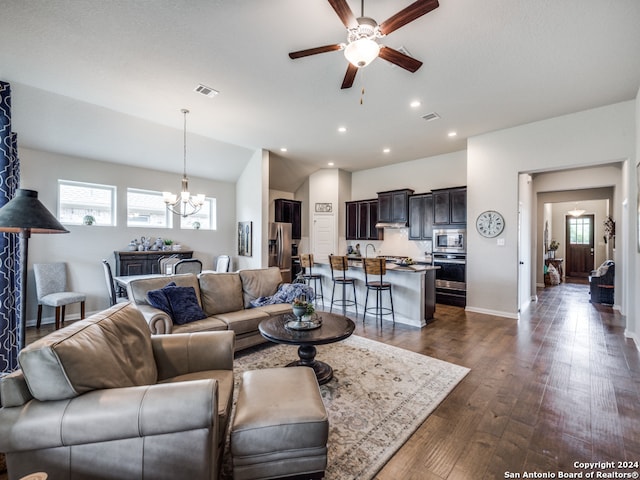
391, 266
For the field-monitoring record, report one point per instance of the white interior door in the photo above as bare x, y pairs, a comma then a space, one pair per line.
324, 238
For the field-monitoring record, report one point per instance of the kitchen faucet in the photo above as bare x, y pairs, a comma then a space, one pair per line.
366, 249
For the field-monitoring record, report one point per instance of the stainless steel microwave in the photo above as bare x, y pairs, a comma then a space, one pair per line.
449, 240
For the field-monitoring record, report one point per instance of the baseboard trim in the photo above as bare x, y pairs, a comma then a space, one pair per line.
634, 337
495, 313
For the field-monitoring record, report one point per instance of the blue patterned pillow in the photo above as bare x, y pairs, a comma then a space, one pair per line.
158, 298
184, 305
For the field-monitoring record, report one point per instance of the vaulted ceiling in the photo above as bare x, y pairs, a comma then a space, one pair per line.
107, 80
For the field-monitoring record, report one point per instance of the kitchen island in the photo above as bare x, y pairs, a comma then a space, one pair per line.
413, 286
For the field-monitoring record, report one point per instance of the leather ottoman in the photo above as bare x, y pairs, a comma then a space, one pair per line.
280, 428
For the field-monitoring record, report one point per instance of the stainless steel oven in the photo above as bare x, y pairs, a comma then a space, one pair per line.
451, 278
447, 240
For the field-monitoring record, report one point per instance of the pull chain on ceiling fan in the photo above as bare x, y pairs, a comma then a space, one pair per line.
362, 34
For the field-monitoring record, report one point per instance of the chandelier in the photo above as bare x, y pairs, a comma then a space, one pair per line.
184, 204
576, 212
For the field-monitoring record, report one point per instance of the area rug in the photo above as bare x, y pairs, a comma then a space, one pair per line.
378, 397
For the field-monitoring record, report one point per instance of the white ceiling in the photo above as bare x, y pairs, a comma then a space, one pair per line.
107, 79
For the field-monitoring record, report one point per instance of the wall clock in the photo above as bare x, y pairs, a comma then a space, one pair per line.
490, 224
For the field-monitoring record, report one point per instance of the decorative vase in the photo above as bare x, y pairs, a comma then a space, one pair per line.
299, 311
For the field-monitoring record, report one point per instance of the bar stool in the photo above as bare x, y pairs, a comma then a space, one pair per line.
339, 264
376, 268
306, 262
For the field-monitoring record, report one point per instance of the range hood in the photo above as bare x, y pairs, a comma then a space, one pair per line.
393, 208
391, 224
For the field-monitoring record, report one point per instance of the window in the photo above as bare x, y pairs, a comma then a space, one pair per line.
146, 208
76, 200
205, 219
579, 231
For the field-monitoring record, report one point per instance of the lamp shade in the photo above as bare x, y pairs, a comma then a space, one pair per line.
24, 211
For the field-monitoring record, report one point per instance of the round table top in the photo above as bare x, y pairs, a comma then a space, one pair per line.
333, 329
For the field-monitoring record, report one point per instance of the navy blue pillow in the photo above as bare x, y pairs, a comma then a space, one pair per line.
184, 305
158, 298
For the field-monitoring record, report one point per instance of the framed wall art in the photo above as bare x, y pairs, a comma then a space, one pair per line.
324, 207
244, 239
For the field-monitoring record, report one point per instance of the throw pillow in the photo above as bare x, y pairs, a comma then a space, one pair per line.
158, 298
184, 305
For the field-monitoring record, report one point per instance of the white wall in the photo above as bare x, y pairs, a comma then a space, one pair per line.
85, 246
494, 161
633, 304
252, 205
423, 175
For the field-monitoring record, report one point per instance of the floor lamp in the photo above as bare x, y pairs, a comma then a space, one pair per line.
24, 214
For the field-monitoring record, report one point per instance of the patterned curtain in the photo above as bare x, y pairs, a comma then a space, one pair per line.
10, 289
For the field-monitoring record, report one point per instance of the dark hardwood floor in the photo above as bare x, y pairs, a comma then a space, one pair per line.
560, 385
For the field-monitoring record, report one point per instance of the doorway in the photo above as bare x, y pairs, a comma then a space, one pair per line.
580, 245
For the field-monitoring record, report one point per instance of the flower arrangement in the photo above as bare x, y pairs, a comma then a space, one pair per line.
553, 246
300, 303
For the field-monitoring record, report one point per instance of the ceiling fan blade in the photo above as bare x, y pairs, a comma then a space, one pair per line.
314, 51
399, 59
409, 14
344, 12
350, 76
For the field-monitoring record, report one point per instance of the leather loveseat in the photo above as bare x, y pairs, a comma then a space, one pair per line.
104, 399
225, 298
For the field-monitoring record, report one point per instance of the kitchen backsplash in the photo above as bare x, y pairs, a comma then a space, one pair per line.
396, 242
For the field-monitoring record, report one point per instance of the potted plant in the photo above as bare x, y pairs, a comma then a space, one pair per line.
167, 244
88, 220
302, 308
553, 246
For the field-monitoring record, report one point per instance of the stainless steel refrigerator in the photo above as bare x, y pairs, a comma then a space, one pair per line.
280, 248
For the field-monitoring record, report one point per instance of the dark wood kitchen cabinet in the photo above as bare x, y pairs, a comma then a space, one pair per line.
421, 217
290, 211
361, 219
450, 206
393, 206
143, 263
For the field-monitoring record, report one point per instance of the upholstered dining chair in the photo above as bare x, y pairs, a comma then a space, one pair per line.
167, 263
111, 287
51, 290
188, 265
223, 263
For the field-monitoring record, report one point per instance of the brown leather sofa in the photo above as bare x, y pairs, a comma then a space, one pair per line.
224, 297
104, 399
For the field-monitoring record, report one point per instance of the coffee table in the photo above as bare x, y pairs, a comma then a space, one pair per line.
333, 329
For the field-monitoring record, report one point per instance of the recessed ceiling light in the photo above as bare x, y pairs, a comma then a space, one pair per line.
386, 150
283, 149
452, 134
342, 129
330, 164
415, 104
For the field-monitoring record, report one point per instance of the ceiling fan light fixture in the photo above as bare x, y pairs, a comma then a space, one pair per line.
362, 52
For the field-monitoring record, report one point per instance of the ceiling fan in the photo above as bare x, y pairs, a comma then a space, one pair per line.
361, 47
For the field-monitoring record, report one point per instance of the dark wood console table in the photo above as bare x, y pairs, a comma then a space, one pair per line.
143, 263
557, 264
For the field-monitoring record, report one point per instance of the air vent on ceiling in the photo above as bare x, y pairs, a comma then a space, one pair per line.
206, 91
431, 116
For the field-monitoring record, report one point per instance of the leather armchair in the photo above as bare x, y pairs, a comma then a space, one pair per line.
83, 405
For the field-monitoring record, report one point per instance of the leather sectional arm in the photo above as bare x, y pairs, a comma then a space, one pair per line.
183, 353
112, 414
